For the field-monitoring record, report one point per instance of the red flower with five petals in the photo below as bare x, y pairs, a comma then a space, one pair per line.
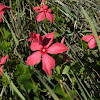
48, 62
44, 11
3, 60
1, 10
90, 39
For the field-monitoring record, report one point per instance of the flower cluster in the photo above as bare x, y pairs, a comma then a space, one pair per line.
1, 10
3, 60
42, 43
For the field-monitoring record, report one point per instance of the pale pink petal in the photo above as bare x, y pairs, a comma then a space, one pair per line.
36, 8
1, 70
42, 1
91, 43
49, 10
48, 39
57, 48
40, 16
3, 59
63, 39
87, 38
34, 58
44, 6
50, 17
35, 46
48, 63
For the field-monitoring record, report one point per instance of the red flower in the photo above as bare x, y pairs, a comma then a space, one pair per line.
1, 10
42, 1
91, 40
48, 62
44, 11
3, 60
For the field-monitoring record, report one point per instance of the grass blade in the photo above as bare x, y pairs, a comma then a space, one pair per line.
14, 87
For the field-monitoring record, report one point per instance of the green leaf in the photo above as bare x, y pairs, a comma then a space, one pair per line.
28, 84
21, 68
56, 35
82, 69
35, 98
58, 90
6, 33
66, 69
24, 77
5, 45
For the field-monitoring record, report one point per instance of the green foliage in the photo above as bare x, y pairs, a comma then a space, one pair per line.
77, 79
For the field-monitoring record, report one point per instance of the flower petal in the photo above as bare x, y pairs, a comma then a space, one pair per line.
36, 8
1, 70
49, 10
34, 58
48, 39
1, 6
42, 1
91, 43
87, 38
3, 59
35, 46
0, 19
48, 63
37, 11
99, 37
57, 48
1, 13
35, 37
63, 39
7, 8
45, 7
40, 16
50, 17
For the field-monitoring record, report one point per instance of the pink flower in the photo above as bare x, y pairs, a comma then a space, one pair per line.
3, 60
48, 62
42, 1
1, 10
91, 40
44, 12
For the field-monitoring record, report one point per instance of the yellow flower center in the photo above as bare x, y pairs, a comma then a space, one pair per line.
43, 50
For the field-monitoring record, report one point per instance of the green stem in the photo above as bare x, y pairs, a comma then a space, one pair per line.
2, 33
47, 87
15, 39
13, 86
